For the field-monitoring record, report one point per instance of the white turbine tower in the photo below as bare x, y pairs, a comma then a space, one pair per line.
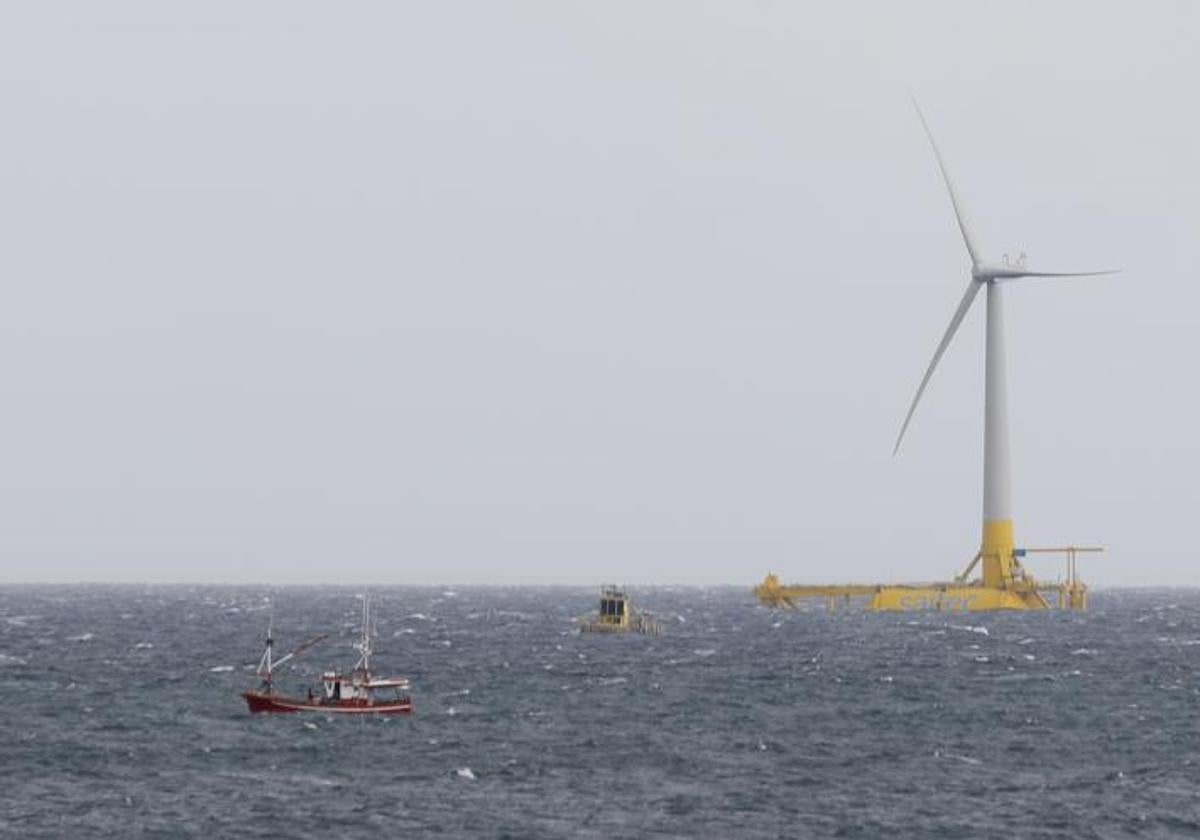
996, 548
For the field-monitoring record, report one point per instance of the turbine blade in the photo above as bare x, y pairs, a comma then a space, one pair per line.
959, 212
1064, 274
964, 306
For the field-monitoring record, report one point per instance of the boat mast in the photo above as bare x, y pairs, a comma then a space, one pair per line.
364, 661
268, 663
265, 665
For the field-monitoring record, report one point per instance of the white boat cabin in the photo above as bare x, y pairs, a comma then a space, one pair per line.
358, 686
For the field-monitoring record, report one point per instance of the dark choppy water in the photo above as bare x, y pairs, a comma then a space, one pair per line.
120, 717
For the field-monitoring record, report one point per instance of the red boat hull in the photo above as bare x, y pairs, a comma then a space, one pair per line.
259, 701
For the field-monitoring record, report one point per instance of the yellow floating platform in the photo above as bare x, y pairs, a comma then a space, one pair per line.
1019, 592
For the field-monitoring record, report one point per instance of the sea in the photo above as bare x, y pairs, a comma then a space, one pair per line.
120, 716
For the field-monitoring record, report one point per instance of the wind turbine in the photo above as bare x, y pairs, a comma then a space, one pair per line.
996, 547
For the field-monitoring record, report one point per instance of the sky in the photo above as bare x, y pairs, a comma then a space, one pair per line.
564, 293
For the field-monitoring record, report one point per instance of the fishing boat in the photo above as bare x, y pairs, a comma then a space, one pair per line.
357, 693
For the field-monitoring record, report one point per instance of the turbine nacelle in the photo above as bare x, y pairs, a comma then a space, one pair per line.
983, 272
1008, 268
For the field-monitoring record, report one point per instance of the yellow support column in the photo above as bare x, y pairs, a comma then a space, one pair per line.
997, 553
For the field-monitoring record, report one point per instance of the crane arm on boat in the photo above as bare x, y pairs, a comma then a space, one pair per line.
300, 649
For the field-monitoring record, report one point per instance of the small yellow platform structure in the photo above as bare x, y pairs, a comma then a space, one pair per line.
1017, 591
618, 615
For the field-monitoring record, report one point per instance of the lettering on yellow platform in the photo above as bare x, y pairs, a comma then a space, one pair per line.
950, 603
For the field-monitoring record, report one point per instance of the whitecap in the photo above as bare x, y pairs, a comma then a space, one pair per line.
1083, 652
704, 651
520, 616
5, 659
221, 669
82, 637
465, 773
308, 724
965, 759
970, 628
143, 646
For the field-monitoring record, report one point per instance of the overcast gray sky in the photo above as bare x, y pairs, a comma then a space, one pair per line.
570, 292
